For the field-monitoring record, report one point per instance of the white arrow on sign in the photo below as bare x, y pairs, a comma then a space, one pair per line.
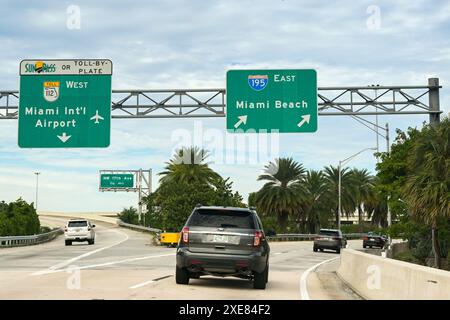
305, 118
242, 119
64, 137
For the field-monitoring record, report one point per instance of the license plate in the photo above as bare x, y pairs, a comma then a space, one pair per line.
77, 230
372, 239
220, 238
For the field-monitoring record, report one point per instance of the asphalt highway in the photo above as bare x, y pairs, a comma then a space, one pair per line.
125, 264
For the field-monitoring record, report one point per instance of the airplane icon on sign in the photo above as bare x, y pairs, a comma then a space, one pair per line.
96, 117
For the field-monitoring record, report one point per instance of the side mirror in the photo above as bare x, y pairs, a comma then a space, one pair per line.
93, 226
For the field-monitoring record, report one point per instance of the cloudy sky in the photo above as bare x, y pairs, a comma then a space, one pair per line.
191, 44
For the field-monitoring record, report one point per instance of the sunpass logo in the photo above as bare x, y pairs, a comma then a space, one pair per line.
40, 67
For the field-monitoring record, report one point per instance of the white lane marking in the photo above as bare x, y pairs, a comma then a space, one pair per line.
105, 264
303, 279
278, 253
84, 255
141, 284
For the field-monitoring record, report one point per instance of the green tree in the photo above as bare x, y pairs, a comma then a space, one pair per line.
427, 186
172, 203
18, 218
392, 171
347, 192
189, 165
129, 215
363, 189
376, 205
315, 197
280, 195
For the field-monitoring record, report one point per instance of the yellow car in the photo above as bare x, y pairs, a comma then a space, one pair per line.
170, 239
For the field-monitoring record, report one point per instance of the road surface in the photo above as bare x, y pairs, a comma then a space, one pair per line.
125, 264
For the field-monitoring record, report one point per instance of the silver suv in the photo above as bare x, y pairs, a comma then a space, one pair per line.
223, 241
79, 230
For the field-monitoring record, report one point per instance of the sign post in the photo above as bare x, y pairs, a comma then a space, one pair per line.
139, 181
276, 100
65, 103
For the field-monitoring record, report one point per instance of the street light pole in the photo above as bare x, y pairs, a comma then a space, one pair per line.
37, 188
341, 163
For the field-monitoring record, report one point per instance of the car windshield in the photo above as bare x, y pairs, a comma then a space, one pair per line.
222, 219
77, 224
329, 233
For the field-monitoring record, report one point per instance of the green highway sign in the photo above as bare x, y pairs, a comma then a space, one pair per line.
272, 100
65, 103
116, 180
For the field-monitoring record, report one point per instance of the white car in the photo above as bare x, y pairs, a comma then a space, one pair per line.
79, 230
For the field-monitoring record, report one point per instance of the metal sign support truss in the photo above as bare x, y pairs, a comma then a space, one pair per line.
192, 103
143, 185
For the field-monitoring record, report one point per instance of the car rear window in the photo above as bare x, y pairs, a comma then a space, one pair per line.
77, 224
329, 233
222, 219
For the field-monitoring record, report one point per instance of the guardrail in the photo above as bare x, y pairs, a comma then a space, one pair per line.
137, 227
18, 241
306, 236
278, 237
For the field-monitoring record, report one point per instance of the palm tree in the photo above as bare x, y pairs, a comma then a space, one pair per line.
427, 188
315, 197
189, 165
347, 201
376, 207
280, 195
363, 185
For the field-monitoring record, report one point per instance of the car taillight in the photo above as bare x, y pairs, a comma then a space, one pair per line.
257, 238
65, 229
185, 235
366, 238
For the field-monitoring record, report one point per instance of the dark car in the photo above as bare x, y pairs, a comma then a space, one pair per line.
374, 240
223, 241
329, 239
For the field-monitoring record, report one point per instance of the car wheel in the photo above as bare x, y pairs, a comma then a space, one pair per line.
259, 279
181, 276
194, 275
370, 247
68, 243
338, 250
91, 241
267, 273
315, 249
364, 246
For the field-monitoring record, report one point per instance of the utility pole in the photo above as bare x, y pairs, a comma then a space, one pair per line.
37, 188
433, 96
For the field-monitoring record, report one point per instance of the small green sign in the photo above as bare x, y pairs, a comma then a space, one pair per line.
116, 180
65, 103
272, 100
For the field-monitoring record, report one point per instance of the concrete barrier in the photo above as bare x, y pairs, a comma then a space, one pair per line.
377, 278
397, 248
